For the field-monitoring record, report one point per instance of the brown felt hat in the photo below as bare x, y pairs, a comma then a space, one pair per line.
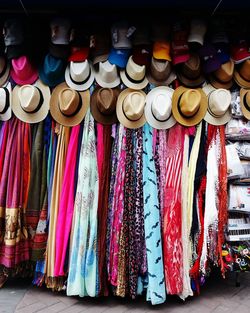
223, 77
242, 74
103, 105
67, 106
245, 102
160, 72
190, 73
189, 106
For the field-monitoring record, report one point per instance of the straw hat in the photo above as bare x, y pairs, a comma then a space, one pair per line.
160, 72
245, 102
219, 100
189, 106
107, 75
79, 75
68, 106
242, 74
103, 105
5, 102
4, 70
130, 108
158, 109
223, 77
30, 103
134, 76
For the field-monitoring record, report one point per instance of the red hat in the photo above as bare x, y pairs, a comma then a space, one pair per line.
79, 54
142, 55
180, 50
240, 52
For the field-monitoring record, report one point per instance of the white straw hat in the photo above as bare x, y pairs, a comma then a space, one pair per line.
107, 75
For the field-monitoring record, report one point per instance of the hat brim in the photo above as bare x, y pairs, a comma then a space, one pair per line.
5, 76
240, 80
132, 85
188, 121
103, 84
99, 116
120, 113
38, 116
244, 110
191, 83
165, 82
44, 78
63, 119
148, 110
100, 58
79, 87
7, 115
216, 84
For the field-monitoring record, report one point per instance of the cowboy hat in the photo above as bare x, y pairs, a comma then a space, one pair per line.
242, 74
103, 105
134, 76
245, 102
30, 103
158, 109
218, 110
5, 102
4, 70
223, 77
189, 106
160, 72
68, 106
22, 71
79, 75
107, 75
130, 108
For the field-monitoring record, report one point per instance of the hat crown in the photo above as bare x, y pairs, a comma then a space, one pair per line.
225, 72
13, 32
245, 70
22, 67
133, 106
60, 31
79, 71
190, 102
135, 71
161, 106
160, 70
106, 100
107, 71
219, 101
29, 97
68, 101
52, 64
192, 68
2, 98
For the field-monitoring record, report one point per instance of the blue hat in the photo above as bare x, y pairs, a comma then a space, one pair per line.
119, 57
223, 53
52, 71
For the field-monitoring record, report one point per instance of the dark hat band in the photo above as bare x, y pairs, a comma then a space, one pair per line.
7, 102
83, 82
183, 115
244, 101
134, 81
39, 104
77, 109
211, 112
161, 121
128, 117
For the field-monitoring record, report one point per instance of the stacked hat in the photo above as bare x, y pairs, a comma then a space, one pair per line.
79, 44
223, 76
180, 49
242, 74
100, 46
209, 58
197, 31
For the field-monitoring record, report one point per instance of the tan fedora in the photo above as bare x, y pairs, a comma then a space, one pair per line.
4, 70
160, 73
30, 103
219, 101
190, 73
245, 102
223, 77
134, 75
189, 106
67, 106
103, 105
242, 74
130, 108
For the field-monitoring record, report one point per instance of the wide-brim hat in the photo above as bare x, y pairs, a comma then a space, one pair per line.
42, 109
120, 112
106, 75
5, 114
223, 77
149, 114
105, 117
155, 75
199, 114
5, 72
245, 107
168, 81
59, 116
210, 117
239, 79
191, 82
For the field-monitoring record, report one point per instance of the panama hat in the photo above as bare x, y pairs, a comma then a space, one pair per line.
223, 77
4, 70
107, 75
103, 105
22, 71
189, 106
160, 72
218, 110
242, 74
130, 108
79, 75
67, 106
5, 102
30, 103
134, 76
158, 109
245, 102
